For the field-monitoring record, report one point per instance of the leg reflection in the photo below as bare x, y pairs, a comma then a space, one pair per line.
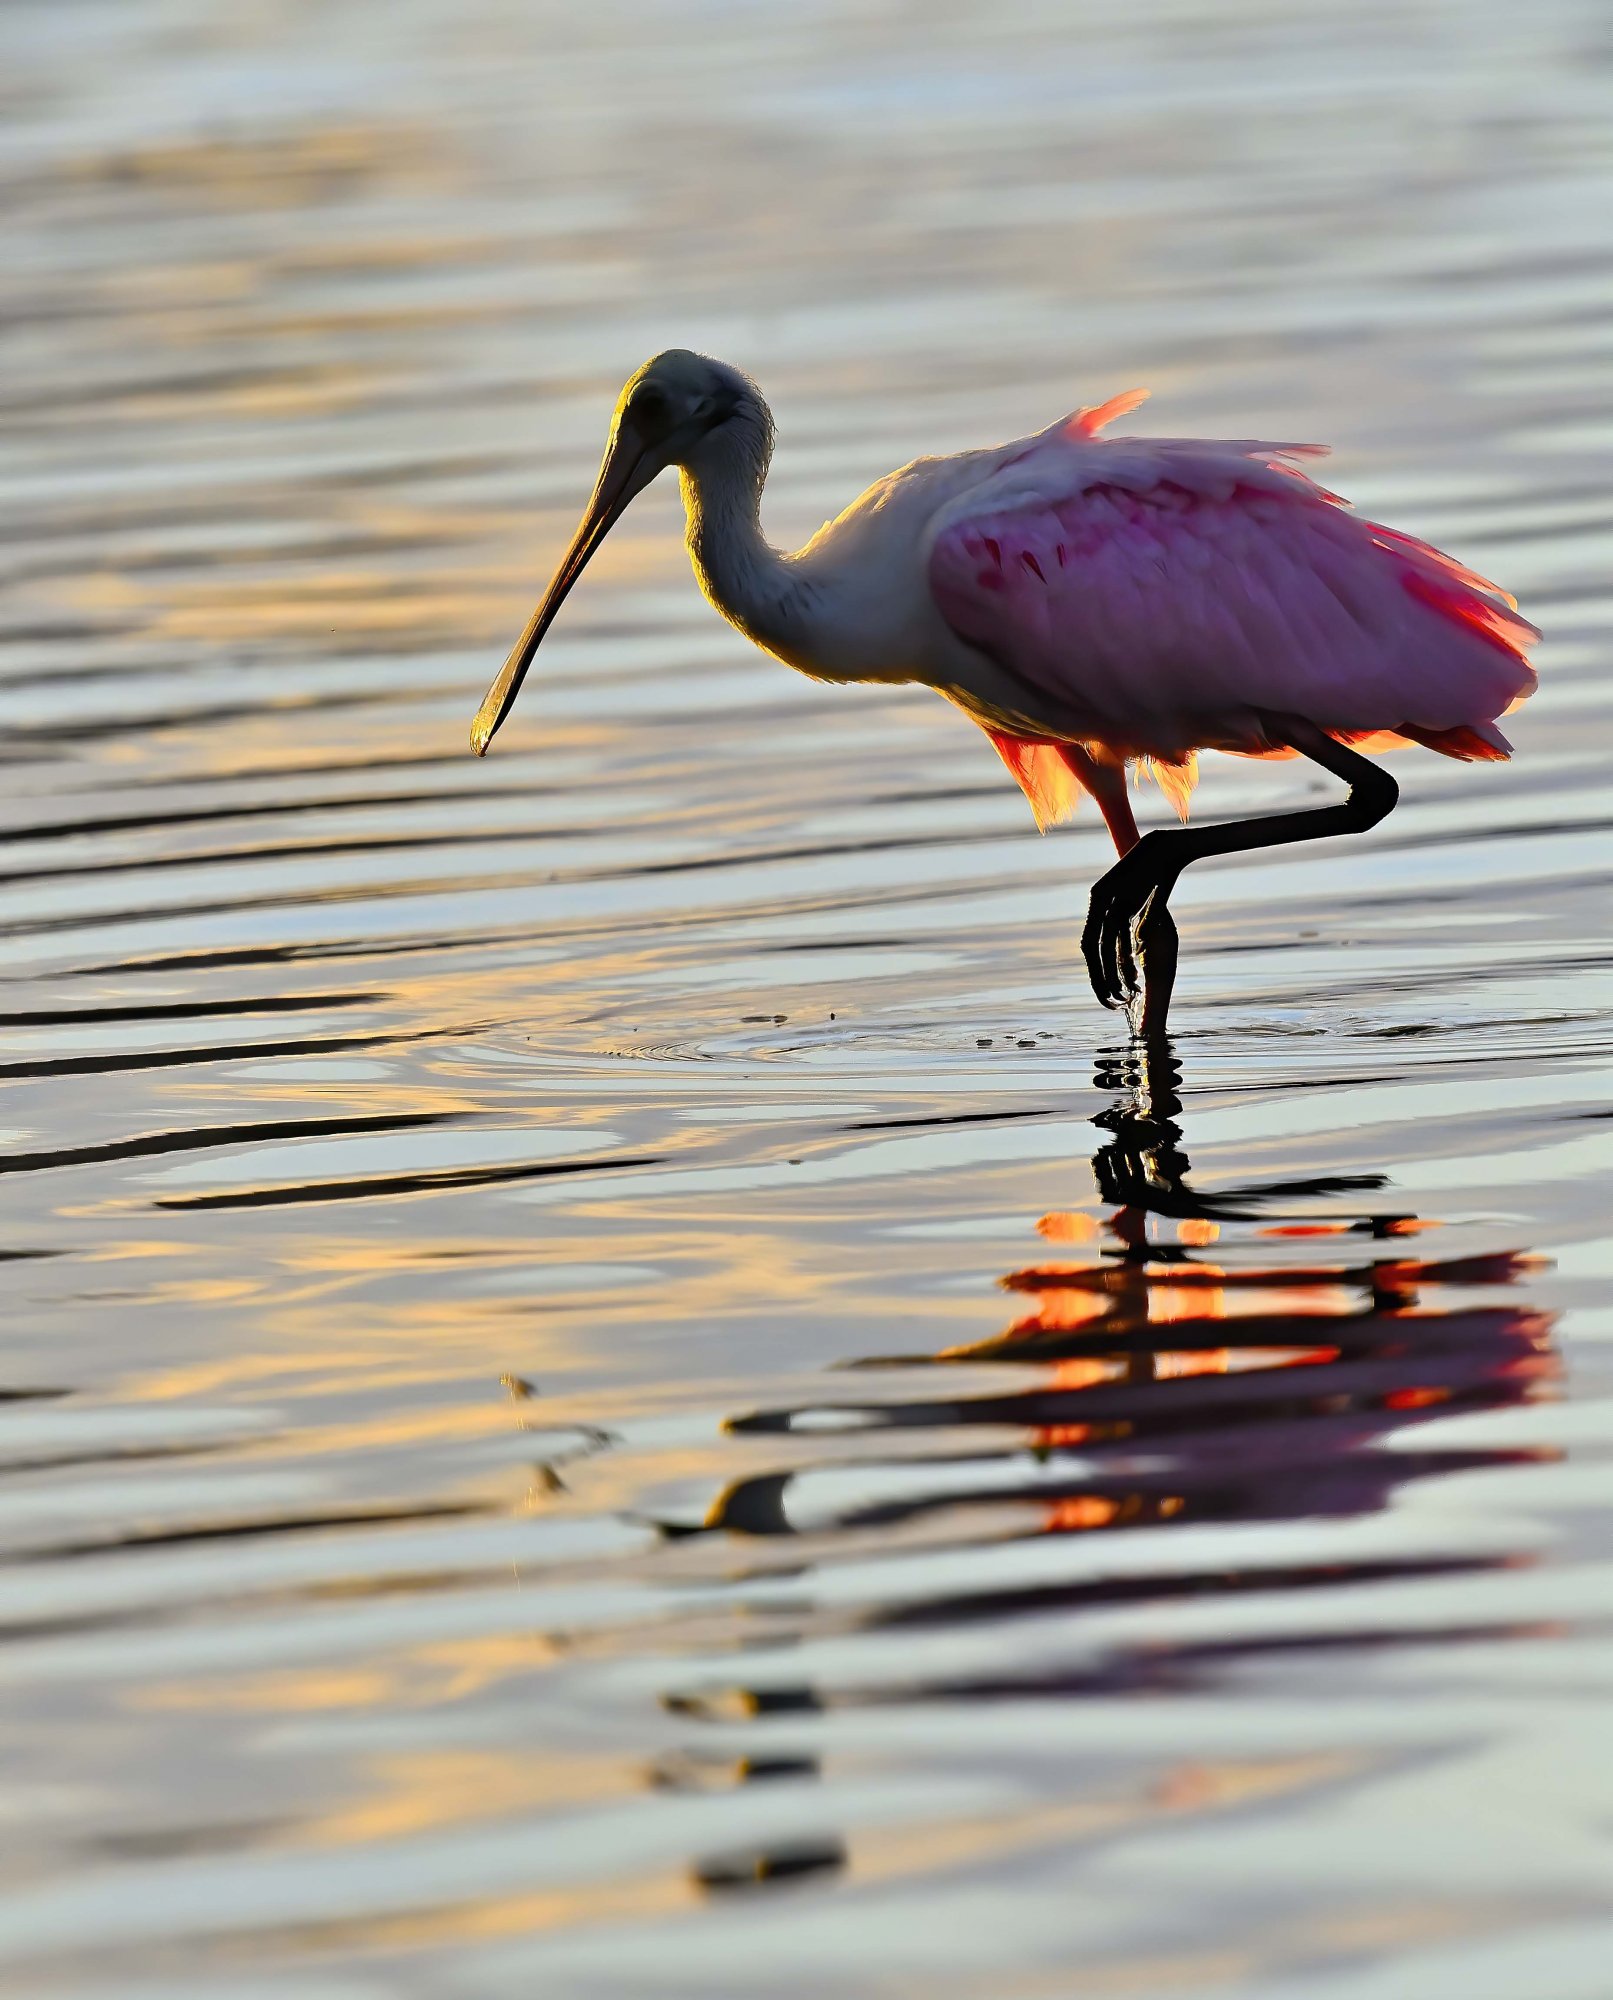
1178, 1456
1244, 1354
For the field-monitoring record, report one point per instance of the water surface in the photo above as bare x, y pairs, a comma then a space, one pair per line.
614, 1386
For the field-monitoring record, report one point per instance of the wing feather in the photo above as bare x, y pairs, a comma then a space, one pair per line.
1159, 594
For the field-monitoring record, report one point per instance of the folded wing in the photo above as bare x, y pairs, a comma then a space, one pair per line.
1160, 594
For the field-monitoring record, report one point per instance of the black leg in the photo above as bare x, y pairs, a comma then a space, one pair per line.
1128, 922
1156, 950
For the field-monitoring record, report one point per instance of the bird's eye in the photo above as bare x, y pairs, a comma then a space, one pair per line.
651, 405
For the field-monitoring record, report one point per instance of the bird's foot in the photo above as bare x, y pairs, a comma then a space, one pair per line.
1155, 949
1129, 941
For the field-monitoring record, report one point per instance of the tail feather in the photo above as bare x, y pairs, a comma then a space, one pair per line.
1500, 625
1425, 556
1472, 743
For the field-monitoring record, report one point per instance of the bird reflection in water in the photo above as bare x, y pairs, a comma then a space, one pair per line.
1243, 1355
1271, 1381
1250, 1379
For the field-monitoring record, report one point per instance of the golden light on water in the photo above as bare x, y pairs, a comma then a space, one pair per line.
546, 1446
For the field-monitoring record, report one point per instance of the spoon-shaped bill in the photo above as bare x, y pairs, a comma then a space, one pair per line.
630, 465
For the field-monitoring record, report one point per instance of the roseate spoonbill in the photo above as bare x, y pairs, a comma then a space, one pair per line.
1092, 603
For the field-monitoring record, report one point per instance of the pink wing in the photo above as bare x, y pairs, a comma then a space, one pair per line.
1156, 594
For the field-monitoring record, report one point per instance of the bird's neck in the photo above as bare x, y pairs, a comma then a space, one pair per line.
752, 584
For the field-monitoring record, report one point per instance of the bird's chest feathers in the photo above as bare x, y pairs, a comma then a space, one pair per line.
857, 627
865, 591
837, 615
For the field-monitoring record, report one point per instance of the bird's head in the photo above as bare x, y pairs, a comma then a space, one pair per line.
664, 416
676, 400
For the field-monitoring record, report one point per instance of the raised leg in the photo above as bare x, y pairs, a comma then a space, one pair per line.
1128, 924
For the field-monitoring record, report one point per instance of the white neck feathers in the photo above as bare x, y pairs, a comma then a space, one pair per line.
751, 583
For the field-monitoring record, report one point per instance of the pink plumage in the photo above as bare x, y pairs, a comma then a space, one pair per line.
1092, 603
1161, 594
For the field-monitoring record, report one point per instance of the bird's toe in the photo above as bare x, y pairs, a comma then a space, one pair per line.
1107, 944
1126, 921
1092, 947
1121, 944
1118, 944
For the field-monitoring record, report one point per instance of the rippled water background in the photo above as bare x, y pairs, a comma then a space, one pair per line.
579, 1420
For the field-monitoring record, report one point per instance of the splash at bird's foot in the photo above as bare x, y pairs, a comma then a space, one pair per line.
1129, 940
1155, 950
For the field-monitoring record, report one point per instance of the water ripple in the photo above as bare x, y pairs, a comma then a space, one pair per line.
609, 1388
